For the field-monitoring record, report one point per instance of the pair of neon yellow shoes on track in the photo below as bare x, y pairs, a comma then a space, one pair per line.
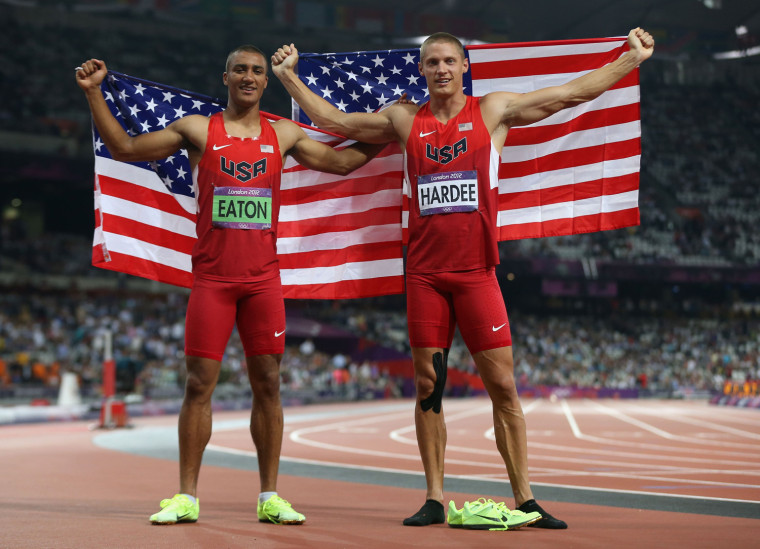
181, 509
486, 514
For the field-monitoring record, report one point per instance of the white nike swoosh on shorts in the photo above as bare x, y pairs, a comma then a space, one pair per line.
495, 329
278, 334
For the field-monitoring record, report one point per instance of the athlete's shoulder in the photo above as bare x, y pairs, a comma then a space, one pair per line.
405, 109
283, 124
497, 99
286, 130
196, 119
406, 106
399, 114
191, 123
288, 133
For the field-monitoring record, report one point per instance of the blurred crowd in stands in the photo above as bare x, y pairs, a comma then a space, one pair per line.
666, 356
45, 334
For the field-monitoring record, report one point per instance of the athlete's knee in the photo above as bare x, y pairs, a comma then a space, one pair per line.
197, 387
202, 374
266, 386
504, 393
265, 379
432, 398
424, 385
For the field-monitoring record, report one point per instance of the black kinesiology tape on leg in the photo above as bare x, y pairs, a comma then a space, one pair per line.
435, 399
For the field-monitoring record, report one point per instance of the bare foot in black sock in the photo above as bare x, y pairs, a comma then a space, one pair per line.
546, 520
430, 513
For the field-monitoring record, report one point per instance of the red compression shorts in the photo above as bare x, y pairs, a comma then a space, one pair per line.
437, 302
215, 307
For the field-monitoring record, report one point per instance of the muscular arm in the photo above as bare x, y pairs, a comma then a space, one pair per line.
122, 146
527, 108
321, 157
368, 127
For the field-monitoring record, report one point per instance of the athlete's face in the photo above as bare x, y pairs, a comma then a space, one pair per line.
442, 65
246, 77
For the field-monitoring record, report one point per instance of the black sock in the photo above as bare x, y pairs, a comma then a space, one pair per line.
546, 521
430, 513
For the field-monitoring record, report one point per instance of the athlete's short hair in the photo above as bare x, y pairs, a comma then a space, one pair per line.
246, 48
442, 37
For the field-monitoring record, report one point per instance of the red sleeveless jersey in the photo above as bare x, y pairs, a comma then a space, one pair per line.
237, 188
451, 178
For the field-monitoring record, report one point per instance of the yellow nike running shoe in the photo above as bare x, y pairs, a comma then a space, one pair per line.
454, 517
278, 511
490, 515
177, 509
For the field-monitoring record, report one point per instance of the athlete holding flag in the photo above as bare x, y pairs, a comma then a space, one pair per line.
236, 158
451, 147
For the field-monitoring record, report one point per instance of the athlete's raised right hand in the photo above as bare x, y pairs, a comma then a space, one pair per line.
90, 74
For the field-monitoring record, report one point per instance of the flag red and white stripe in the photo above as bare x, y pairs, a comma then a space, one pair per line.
578, 170
141, 227
340, 237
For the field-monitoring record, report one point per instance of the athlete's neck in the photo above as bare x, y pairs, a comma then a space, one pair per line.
447, 107
242, 122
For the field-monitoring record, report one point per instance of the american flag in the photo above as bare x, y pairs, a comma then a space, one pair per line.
339, 237
574, 172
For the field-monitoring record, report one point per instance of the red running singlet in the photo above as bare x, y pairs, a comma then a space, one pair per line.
237, 185
451, 178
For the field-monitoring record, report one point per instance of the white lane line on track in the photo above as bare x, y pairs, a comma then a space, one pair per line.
489, 434
635, 422
299, 436
701, 422
728, 415
653, 476
250, 453
644, 463
398, 434
696, 410
670, 436
491, 478
647, 493
616, 442
642, 473
343, 426
571, 420
648, 456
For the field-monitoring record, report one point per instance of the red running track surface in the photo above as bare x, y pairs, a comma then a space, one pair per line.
622, 473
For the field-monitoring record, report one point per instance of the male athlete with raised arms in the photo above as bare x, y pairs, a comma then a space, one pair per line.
236, 158
451, 147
